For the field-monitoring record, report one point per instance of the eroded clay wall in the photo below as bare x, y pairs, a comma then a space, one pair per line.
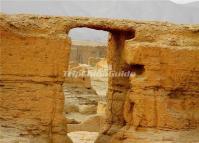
31, 86
161, 104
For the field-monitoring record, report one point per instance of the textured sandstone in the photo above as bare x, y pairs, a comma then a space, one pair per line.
159, 104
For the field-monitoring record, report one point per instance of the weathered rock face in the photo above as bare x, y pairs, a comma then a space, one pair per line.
31, 98
162, 100
159, 104
164, 93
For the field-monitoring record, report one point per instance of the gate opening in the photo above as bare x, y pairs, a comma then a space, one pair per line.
85, 91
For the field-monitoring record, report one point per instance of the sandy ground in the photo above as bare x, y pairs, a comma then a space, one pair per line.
99, 84
83, 136
78, 116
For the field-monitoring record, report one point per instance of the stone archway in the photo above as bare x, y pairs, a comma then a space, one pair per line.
163, 104
36, 64
117, 86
